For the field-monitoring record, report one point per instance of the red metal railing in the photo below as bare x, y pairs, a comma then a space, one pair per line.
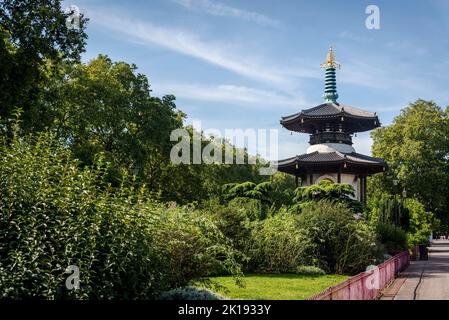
366, 285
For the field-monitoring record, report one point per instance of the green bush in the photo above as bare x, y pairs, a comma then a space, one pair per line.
54, 214
190, 293
232, 219
194, 246
343, 243
393, 238
326, 190
277, 244
420, 223
394, 211
310, 270
282, 189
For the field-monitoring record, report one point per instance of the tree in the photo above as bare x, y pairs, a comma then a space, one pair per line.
106, 107
394, 211
326, 190
416, 148
420, 223
34, 41
248, 190
187, 182
282, 189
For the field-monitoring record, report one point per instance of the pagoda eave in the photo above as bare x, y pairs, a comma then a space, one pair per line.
309, 120
353, 163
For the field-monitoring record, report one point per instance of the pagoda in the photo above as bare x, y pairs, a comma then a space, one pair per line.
331, 126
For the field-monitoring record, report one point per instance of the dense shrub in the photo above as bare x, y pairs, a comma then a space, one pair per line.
420, 223
233, 219
194, 246
310, 270
277, 244
190, 293
53, 214
343, 242
408, 214
282, 189
393, 238
326, 190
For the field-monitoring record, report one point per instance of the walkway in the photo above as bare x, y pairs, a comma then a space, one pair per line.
425, 280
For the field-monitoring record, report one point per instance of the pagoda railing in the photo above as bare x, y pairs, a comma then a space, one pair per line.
330, 137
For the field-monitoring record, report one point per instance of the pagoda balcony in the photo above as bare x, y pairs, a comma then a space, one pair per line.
330, 137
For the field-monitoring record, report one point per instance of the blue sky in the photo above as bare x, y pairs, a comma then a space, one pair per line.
244, 64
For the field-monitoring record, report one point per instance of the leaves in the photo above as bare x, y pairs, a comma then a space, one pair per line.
416, 148
326, 190
54, 213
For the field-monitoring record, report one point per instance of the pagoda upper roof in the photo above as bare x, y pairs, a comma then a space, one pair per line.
356, 120
317, 161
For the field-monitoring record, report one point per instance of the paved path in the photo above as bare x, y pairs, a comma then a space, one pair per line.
426, 280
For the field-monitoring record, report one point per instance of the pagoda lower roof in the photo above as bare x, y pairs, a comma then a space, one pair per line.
308, 120
320, 162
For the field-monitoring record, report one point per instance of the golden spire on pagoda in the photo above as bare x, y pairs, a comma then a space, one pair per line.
330, 60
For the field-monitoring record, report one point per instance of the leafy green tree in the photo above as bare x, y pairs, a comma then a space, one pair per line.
186, 183
248, 190
416, 148
282, 189
421, 223
392, 238
326, 190
394, 211
34, 41
106, 107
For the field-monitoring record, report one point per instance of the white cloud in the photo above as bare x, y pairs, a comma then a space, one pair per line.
219, 9
228, 93
217, 53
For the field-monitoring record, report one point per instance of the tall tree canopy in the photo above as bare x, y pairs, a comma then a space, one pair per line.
34, 40
416, 148
106, 107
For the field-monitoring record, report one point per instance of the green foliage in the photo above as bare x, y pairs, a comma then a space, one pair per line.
34, 41
393, 211
343, 243
248, 190
190, 293
310, 270
233, 219
277, 244
416, 148
106, 107
54, 214
420, 223
256, 198
409, 215
195, 246
185, 183
392, 237
326, 190
282, 189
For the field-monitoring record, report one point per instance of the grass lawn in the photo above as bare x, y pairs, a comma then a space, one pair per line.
278, 286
